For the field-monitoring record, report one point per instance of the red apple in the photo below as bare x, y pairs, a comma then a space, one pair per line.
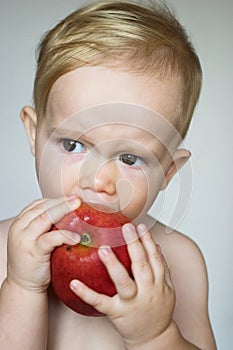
97, 226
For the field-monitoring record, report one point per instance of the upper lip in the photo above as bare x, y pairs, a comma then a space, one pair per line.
99, 199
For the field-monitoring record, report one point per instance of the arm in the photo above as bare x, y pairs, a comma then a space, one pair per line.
142, 311
23, 318
191, 310
23, 296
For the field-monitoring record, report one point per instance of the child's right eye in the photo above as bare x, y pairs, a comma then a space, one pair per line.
72, 146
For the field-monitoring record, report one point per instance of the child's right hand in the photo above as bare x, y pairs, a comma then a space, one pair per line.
30, 242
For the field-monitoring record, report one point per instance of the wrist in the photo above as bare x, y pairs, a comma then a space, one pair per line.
171, 338
19, 288
152, 343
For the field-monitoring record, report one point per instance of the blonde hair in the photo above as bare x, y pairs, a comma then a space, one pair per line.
147, 39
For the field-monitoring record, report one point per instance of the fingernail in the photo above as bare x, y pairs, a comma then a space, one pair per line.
72, 197
74, 202
76, 237
74, 284
128, 228
105, 250
129, 233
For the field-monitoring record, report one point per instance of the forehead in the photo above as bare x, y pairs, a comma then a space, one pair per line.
89, 97
88, 87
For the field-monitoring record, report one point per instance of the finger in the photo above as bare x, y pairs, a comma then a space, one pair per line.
153, 252
39, 206
100, 302
27, 215
55, 208
168, 278
42, 223
30, 206
48, 241
141, 268
125, 286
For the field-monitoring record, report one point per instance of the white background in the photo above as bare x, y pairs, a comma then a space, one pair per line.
208, 219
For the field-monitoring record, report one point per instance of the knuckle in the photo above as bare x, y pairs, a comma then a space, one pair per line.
147, 237
44, 217
36, 206
97, 303
155, 257
46, 239
124, 283
37, 202
141, 264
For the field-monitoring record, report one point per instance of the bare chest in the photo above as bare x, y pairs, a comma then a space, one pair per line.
68, 330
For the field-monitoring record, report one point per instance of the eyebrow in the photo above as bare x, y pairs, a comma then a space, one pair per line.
64, 132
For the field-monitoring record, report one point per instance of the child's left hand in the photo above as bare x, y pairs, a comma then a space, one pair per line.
142, 309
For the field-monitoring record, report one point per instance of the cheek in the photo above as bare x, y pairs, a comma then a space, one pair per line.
133, 192
141, 193
56, 177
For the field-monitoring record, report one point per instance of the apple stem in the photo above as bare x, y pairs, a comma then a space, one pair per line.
85, 239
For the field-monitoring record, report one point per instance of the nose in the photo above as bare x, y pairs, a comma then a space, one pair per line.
98, 174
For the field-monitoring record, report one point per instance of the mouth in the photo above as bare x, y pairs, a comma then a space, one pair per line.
98, 200
109, 207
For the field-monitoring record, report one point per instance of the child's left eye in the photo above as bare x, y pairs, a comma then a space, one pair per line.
131, 160
72, 146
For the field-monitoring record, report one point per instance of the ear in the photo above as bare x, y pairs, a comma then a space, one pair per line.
180, 157
29, 119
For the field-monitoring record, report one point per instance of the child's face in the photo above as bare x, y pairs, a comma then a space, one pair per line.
102, 139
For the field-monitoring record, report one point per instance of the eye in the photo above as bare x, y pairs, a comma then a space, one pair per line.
72, 146
130, 159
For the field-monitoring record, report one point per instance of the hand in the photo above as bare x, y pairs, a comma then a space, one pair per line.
142, 308
30, 243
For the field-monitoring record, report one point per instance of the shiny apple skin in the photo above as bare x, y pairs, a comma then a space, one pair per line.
97, 226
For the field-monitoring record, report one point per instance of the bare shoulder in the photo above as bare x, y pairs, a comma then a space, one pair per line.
4, 229
180, 250
190, 280
185, 260
188, 269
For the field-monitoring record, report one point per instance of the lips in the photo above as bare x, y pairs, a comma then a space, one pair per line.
102, 199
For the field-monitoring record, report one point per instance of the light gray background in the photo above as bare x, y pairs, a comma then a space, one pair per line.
208, 219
